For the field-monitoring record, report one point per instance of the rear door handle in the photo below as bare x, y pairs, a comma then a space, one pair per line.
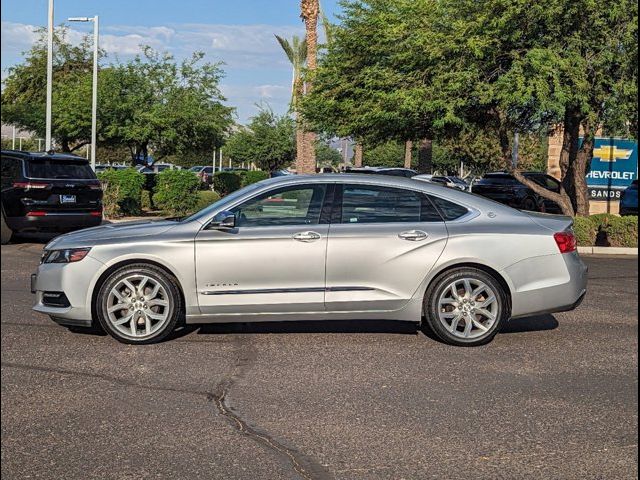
306, 236
413, 235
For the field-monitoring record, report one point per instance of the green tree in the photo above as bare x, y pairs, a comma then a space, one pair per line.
170, 108
24, 91
268, 141
296, 51
327, 156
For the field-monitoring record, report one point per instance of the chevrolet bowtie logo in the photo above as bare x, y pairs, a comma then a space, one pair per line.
608, 153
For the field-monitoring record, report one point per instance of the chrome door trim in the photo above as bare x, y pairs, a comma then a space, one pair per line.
285, 290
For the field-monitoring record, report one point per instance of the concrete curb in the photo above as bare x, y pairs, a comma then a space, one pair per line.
608, 251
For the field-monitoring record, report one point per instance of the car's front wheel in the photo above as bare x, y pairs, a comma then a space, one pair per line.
465, 307
139, 304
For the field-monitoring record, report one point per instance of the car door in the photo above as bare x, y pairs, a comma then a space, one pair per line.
382, 243
273, 261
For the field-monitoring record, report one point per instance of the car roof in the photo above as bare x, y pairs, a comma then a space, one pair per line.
44, 155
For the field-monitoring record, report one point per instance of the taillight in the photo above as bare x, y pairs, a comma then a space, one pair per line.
36, 213
31, 185
95, 186
96, 213
566, 242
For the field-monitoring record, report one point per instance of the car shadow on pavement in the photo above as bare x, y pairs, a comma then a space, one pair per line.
530, 324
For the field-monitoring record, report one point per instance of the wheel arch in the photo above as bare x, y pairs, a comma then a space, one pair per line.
500, 278
123, 263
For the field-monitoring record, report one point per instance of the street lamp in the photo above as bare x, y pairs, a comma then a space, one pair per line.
47, 141
94, 96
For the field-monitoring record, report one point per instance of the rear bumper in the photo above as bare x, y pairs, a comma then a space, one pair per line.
562, 287
54, 222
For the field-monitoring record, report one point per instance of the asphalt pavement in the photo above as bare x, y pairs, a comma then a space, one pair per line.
553, 396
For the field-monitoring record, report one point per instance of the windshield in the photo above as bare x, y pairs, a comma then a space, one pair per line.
195, 169
206, 212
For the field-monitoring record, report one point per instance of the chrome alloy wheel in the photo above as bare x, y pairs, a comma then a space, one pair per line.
468, 308
138, 306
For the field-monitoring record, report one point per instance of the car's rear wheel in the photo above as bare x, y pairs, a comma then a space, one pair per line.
139, 304
465, 307
6, 231
529, 204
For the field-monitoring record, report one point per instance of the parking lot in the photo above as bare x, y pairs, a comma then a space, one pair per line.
551, 397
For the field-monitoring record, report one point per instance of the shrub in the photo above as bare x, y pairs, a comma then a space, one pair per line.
110, 207
253, 176
623, 232
124, 189
606, 230
176, 192
226, 182
585, 229
205, 198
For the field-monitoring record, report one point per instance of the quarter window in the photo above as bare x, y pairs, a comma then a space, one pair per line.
373, 204
10, 170
449, 210
298, 205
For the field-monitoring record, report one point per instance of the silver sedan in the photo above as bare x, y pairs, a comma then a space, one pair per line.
325, 247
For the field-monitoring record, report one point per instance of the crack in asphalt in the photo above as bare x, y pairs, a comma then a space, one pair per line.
306, 467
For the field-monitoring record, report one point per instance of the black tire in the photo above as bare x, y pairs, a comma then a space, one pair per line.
6, 233
529, 204
438, 287
175, 303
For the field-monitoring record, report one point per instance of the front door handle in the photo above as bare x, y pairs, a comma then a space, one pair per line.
306, 236
413, 235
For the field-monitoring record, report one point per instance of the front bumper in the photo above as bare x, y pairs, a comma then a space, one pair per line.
75, 280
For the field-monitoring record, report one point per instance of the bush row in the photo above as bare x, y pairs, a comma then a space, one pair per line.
606, 230
175, 192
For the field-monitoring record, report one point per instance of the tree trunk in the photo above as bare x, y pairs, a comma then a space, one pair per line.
581, 168
64, 144
309, 11
300, 141
425, 156
357, 158
408, 153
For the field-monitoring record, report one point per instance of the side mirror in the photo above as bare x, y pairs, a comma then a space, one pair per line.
223, 221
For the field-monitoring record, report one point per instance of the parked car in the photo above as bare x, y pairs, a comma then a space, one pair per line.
447, 181
629, 200
318, 247
155, 168
205, 173
391, 171
103, 167
48, 193
504, 188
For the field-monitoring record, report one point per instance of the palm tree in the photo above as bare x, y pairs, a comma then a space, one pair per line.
309, 12
296, 51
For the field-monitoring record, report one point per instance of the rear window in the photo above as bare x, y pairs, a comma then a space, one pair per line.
498, 179
41, 168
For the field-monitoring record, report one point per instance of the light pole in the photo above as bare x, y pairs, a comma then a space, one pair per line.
94, 94
47, 141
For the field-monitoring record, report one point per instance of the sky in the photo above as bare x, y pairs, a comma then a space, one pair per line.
236, 32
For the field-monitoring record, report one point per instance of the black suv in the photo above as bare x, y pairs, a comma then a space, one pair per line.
48, 193
504, 188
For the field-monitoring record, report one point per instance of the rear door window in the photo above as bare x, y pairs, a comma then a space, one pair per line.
377, 204
62, 169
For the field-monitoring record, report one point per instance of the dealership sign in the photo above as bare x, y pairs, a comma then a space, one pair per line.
613, 168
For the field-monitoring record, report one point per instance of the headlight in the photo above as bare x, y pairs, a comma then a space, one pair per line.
64, 256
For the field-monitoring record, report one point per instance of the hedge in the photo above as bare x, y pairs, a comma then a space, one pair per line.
205, 198
176, 192
122, 191
227, 182
253, 176
606, 230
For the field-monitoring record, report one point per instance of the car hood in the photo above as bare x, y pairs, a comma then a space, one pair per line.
111, 231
